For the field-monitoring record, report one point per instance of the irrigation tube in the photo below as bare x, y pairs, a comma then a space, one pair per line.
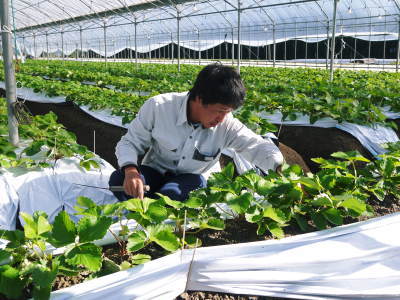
11, 91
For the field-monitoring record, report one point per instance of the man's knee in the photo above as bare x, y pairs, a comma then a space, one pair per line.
179, 187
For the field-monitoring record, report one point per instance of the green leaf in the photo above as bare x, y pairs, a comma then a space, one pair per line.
194, 202
43, 225
65, 268
16, 237
322, 200
228, 171
264, 187
10, 283
240, 204
355, 204
302, 222
350, 156
167, 200
214, 223
156, 213
64, 230
319, 220
163, 236
134, 204
276, 230
88, 255
333, 215
93, 228
125, 265
42, 276
34, 148
254, 215
108, 267
275, 214
30, 227
85, 202
136, 241
139, 259
309, 182
41, 292
192, 242
4, 256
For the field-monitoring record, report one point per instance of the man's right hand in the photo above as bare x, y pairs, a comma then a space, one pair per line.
133, 183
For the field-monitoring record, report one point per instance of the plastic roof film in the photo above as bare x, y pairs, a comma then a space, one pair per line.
203, 24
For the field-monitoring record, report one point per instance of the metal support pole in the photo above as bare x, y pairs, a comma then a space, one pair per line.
23, 44
105, 41
149, 40
62, 44
327, 45
14, 30
233, 49
47, 46
198, 41
295, 42
398, 50
239, 52
80, 39
274, 47
335, 3
136, 60
130, 48
11, 93
34, 45
178, 19
172, 49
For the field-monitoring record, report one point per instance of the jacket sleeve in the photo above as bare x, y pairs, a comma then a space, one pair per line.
261, 152
138, 138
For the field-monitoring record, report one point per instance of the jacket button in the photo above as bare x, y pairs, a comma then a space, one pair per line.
190, 137
183, 157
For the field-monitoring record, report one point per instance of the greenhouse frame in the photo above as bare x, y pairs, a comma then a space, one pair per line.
259, 32
289, 150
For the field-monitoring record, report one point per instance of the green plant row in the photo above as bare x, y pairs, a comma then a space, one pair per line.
120, 104
42, 134
355, 97
338, 193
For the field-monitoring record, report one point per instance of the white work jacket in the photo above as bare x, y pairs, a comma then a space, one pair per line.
175, 145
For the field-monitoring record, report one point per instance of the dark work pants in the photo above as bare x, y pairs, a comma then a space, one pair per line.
177, 187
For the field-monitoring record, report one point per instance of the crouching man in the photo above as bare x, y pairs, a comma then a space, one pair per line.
184, 134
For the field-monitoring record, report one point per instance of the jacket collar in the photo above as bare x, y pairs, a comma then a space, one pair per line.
182, 114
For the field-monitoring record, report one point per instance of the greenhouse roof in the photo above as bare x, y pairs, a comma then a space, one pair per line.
61, 15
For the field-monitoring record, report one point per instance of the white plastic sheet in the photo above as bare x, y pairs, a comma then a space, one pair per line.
51, 189
370, 137
357, 261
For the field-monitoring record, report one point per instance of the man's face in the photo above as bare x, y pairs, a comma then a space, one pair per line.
210, 115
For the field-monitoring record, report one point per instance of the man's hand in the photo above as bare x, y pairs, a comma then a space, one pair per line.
133, 184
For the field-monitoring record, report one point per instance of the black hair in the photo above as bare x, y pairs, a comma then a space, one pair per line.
221, 84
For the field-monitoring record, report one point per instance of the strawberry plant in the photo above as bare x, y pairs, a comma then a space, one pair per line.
31, 267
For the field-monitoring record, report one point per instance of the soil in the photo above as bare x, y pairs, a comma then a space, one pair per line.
297, 143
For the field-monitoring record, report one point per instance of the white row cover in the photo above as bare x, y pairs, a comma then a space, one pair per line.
357, 261
51, 189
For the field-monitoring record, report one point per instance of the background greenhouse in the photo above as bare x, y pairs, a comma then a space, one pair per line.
322, 81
